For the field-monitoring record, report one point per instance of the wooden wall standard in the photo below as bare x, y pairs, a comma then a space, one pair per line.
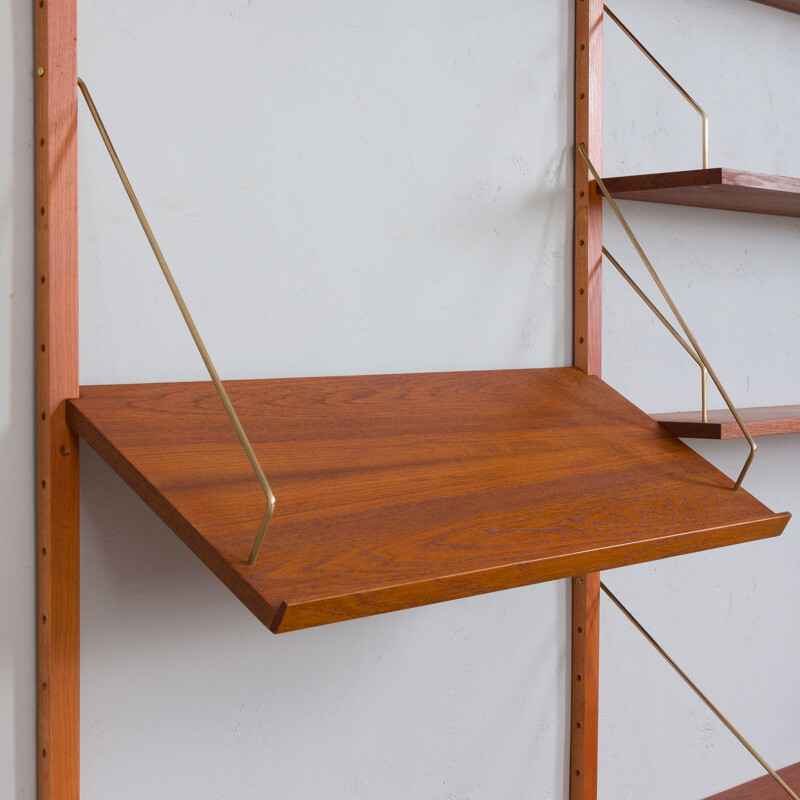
55, 76
587, 244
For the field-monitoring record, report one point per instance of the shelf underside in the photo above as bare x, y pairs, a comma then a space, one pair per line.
763, 421
395, 491
728, 189
764, 788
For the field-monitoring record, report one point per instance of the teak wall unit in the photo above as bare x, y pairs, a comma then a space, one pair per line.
378, 553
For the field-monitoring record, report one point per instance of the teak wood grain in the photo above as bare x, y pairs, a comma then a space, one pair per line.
764, 788
727, 189
56, 278
400, 490
762, 421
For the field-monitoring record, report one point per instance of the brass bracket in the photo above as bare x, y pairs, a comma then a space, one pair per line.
700, 356
663, 70
223, 394
693, 686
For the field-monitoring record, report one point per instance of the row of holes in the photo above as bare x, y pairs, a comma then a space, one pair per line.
44, 416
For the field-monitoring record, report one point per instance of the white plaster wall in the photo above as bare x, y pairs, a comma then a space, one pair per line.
349, 187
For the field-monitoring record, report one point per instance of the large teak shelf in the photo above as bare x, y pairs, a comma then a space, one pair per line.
761, 421
400, 490
727, 189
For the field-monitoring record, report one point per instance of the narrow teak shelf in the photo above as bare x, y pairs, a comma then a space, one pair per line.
727, 189
764, 788
763, 421
400, 490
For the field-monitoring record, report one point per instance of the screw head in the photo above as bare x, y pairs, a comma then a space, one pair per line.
40, 71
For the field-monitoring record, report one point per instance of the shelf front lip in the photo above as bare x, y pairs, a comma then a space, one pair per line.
299, 614
282, 612
718, 188
761, 421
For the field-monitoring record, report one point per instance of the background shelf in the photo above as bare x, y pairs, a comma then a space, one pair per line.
762, 421
400, 490
727, 189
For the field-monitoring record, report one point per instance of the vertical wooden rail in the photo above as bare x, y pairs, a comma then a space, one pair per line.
585, 686
588, 223
588, 242
55, 75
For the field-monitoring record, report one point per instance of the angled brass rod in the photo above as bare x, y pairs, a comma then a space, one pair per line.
750, 749
223, 394
657, 64
663, 289
669, 327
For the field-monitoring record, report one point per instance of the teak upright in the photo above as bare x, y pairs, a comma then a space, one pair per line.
587, 349
55, 74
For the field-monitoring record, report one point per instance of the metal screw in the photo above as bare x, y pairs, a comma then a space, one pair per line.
578, 581
40, 71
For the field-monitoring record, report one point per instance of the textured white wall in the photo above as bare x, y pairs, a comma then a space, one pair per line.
346, 187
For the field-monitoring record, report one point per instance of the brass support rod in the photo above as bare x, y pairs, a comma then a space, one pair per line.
750, 749
657, 64
664, 321
689, 335
704, 392
223, 394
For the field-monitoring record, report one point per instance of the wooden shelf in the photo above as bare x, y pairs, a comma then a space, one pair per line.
764, 788
727, 189
786, 5
764, 421
400, 490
